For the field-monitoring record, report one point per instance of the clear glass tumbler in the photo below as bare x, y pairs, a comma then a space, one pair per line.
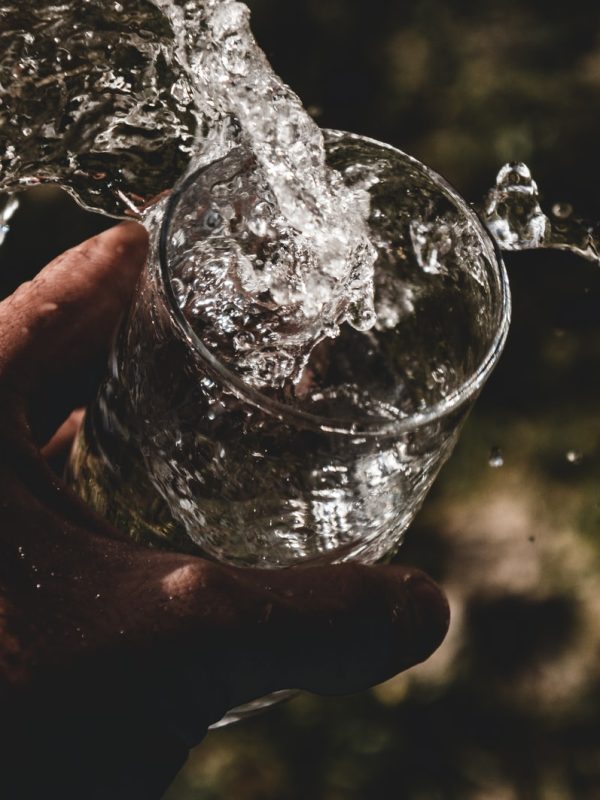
179, 451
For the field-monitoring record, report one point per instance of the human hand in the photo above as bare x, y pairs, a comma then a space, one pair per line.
114, 658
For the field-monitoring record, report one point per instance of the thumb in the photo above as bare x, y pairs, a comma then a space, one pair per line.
330, 630
336, 630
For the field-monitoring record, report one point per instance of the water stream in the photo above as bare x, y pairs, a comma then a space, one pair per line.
117, 102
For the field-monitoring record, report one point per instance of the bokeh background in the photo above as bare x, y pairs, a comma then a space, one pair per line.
509, 708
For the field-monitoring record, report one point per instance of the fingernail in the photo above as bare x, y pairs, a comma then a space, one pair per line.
430, 615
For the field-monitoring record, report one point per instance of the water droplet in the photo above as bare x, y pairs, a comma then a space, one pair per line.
515, 218
513, 214
496, 459
574, 456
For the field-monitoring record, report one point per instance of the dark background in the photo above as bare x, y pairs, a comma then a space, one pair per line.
509, 708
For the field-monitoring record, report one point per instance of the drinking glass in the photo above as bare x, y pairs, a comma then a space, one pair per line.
182, 452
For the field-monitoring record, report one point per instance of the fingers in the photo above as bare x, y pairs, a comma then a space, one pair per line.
331, 630
54, 326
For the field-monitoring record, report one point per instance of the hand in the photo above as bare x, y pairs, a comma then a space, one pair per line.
114, 658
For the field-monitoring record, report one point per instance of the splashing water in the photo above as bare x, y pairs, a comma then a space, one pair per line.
115, 102
514, 216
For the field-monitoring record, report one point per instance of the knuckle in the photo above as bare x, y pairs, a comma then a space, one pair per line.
197, 578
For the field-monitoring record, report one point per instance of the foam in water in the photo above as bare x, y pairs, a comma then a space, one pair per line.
117, 101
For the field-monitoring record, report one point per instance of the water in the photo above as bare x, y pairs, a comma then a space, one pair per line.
250, 284
117, 102
514, 216
137, 95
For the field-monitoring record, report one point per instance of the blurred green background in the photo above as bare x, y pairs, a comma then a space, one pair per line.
509, 707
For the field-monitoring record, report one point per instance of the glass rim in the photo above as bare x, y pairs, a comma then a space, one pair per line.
369, 426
